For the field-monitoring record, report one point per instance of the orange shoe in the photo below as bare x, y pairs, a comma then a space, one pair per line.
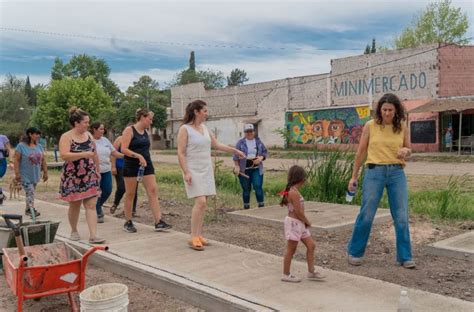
204, 241
195, 243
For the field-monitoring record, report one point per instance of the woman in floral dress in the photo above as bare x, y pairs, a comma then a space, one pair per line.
80, 178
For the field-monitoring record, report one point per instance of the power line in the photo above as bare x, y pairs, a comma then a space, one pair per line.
331, 75
242, 46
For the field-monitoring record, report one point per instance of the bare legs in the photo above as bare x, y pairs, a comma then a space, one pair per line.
91, 215
197, 215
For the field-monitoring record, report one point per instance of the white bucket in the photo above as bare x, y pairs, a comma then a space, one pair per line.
111, 297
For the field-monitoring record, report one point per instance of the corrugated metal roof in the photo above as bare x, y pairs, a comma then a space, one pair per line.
457, 104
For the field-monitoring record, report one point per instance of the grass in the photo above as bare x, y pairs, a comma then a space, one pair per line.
440, 198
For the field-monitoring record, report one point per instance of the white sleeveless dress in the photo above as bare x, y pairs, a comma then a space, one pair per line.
198, 159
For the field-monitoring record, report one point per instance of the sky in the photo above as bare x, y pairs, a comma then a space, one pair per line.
268, 39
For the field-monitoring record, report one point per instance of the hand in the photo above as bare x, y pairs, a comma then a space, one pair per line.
89, 154
187, 178
45, 176
352, 186
114, 171
258, 160
403, 153
236, 170
141, 160
240, 154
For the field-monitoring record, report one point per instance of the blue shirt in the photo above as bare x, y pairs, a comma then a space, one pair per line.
30, 163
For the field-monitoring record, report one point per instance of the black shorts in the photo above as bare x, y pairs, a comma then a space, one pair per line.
130, 168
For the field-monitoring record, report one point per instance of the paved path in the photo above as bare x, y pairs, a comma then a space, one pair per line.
238, 276
412, 168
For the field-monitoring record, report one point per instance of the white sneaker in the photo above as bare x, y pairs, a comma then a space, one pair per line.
317, 276
75, 236
290, 278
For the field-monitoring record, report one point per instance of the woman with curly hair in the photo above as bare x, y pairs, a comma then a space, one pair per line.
385, 143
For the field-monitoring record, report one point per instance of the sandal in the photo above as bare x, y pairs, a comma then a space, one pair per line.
195, 244
203, 241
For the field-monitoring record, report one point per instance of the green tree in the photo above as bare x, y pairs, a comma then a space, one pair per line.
367, 49
211, 79
126, 112
237, 77
374, 48
438, 23
143, 93
83, 66
51, 114
15, 111
192, 62
29, 92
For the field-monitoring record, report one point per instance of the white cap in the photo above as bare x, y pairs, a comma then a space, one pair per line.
248, 127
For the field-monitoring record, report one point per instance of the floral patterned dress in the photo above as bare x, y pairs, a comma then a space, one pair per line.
79, 177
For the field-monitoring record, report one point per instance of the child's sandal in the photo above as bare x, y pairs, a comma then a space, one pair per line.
195, 244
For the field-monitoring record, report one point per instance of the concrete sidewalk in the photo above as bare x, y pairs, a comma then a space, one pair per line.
230, 278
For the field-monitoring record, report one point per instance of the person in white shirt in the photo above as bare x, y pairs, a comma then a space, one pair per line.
105, 150
252, 166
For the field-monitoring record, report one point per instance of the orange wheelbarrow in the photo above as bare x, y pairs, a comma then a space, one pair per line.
44, 270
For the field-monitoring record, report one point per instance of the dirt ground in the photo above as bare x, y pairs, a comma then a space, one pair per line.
441, 275
141, 298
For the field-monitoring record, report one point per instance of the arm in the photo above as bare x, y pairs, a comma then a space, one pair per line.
126, 139
44, 168
225, 148
16, 164
405, 151
66, 154
263, 153
95, 158
360, 156
294, 199
182, 143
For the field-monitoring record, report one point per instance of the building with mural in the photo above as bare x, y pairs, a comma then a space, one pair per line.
435, 83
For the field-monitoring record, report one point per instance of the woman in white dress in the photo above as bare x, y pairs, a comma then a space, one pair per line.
194, 155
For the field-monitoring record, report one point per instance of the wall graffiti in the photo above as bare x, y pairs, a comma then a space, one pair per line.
327, 126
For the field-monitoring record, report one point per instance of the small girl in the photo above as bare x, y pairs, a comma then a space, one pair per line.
296, 226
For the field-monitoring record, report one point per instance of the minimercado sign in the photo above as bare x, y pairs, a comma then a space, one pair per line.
376, 84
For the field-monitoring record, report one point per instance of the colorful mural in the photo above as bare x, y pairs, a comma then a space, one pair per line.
327, 126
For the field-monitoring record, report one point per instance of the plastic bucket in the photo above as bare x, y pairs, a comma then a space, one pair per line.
111, 297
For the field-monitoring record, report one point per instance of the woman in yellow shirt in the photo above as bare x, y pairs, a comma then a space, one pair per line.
384, 142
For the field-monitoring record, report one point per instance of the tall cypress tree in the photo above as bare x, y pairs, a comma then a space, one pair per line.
192, 62
29, 92
374, 48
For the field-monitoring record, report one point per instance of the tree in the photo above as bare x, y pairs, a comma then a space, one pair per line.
143, 93
51, 114
15, 111
29, 91
83, 66
126, 112
211, 79
374, 48
438, 23
367, 49
192, 62
237, 77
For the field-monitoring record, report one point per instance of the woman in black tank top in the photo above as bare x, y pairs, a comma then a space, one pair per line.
136, 148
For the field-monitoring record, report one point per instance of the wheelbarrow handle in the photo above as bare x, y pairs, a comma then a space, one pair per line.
16, 230
10, 224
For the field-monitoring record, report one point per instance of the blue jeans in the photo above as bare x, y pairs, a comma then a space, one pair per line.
106, 189
256, 181
376, 180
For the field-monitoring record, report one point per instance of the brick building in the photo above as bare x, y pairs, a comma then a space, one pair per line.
331, 108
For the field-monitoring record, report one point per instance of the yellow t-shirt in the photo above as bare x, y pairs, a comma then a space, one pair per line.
384, 144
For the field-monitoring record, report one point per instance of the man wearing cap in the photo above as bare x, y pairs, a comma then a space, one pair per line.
252, 166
